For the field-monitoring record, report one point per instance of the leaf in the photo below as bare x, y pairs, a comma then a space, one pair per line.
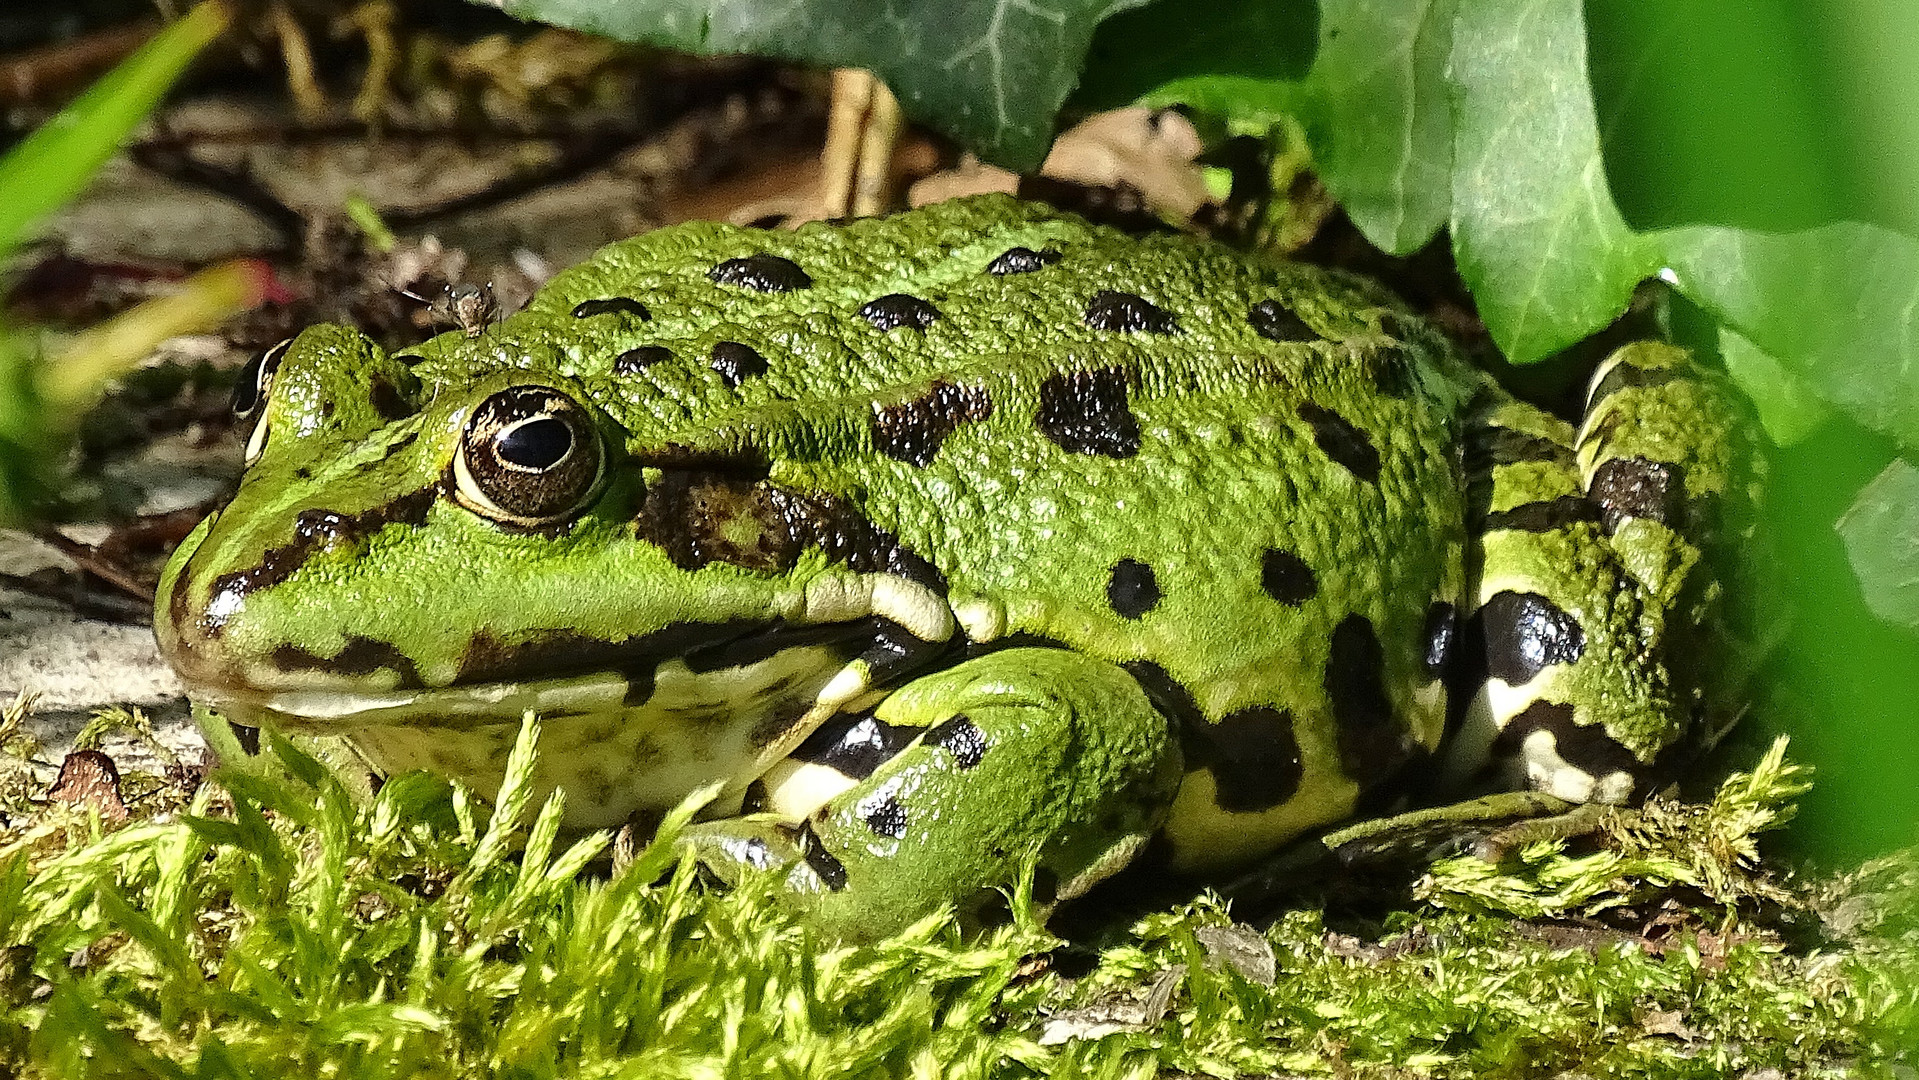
1535, 231
1380, 122
1199, 43
1881, 534
56, 161
1788, 409
1838, 306
990, 75
1373, 99
1550, 259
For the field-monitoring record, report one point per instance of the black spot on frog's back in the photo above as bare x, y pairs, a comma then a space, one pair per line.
761, 273
1341, 441
1286, 578
1086, 412
736, 362
899, 310
913, 431
635, 360
1127, 312
1372, 744
612, 305
1132, 588
1021, 260
1275, 321
1392, 368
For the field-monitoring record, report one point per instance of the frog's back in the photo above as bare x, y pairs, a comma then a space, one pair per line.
1235, 478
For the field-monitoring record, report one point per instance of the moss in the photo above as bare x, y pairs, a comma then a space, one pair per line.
301, 930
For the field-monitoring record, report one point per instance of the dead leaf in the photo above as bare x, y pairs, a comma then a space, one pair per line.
1241, 948
89, 778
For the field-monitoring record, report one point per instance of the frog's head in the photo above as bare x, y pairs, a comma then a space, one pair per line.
473, 534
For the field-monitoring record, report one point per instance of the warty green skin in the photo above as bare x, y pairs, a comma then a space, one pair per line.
1126, 544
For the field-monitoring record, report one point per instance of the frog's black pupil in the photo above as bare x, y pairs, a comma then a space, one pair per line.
540, 443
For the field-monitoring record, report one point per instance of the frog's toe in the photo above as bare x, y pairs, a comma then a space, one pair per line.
731, 850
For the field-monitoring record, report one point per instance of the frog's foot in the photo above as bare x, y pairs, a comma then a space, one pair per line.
1488, 826
1578, 667
953, 784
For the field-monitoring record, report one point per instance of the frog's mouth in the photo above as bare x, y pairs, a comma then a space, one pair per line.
696, 674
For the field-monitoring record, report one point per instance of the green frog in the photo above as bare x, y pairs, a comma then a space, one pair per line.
966, 543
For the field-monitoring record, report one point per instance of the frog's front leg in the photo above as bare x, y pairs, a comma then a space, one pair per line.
1597, 636
952, 783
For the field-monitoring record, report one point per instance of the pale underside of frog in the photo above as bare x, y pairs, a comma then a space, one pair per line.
966, 540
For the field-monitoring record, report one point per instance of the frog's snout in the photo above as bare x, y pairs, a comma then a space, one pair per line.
192, 613
177, 619
185, 622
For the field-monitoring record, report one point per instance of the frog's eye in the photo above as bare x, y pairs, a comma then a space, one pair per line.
250, 390
531, 456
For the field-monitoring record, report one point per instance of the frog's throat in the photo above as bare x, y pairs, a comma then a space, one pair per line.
615, 759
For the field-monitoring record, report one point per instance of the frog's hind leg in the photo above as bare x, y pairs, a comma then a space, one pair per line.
1592, 604
953, 784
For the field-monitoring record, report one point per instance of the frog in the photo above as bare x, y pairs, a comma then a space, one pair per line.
970, 549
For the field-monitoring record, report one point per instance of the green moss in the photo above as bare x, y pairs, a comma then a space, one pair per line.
299, 931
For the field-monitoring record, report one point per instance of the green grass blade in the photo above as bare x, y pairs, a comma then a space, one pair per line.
55, 162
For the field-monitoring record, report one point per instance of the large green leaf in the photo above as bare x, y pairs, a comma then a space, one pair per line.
1881, 533
1837, 305
991, 75
1137, 53
1788, 411
1550, 259
1378, 118
1373, 99
1424, 111
1535, 230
